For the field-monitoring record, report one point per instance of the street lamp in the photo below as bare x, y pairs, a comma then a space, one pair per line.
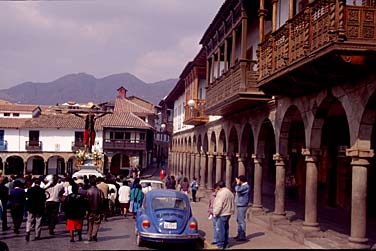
163, 126
191, 103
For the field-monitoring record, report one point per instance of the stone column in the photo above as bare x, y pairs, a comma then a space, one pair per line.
228, 170
279, 211
203, 170
310, 220
197, 166
192, 173
210, 171
360, 164
218, 169
169, 160
188, 166
184, 164
45, 167
4, 167
257, 189
241, 166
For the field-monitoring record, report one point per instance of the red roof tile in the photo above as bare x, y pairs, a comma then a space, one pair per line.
12, 122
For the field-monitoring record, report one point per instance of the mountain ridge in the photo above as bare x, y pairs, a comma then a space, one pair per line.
83, 87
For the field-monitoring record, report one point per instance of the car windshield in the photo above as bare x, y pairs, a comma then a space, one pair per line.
168, 202
153, 185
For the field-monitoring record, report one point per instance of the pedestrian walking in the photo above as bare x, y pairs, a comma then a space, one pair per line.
95, 202
185, 185
124, 196
136, 199
179, 180
223, 208
75, 209
17, 198
4, 198
36, 197
173, 182
241, 198
194, 188
211, 217
54, 193
169, 182
162, 174
105, 189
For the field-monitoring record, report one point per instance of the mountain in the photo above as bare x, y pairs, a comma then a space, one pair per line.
83, 88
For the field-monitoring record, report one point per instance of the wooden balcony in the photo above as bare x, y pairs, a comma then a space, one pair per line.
77, 145
33, 145
125, 144
229, 93
195, 115
323, 45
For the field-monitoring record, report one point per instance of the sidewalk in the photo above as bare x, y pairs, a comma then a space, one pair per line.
259, 236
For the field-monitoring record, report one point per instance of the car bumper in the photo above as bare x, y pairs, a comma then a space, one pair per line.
169, 237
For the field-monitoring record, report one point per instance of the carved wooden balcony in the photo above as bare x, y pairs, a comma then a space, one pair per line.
78, 145
323, 45
195, 115
125, 144
33, 145
229, 93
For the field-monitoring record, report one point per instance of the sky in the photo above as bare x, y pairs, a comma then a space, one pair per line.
41, 41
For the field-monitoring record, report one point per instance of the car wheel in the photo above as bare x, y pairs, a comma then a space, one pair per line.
139, 241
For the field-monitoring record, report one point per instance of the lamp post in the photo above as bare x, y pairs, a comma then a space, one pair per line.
191, 103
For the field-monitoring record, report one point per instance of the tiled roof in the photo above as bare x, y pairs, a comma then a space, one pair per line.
125, 105
123, 119
55, 121
16, 107
12, 122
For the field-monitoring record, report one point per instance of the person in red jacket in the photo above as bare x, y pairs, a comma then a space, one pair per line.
162, 174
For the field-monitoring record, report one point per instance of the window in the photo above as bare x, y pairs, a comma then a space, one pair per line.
119, 135
168, 202
33, 135
127, 135
142, 136
16, 114
78, 137
1, 137
6, 114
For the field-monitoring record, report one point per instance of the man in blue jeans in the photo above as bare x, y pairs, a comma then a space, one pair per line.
223, 208
242, 191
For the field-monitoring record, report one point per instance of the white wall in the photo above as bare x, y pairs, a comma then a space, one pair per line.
179, 116
53, 140
21, 114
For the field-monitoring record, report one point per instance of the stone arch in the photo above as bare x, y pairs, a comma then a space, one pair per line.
331, 134
266, 148
189, 144
247, 143
56, 163
194, 146
205, 144
199, 143
35, 165
222, 144
14, 165
233, 149
213, 143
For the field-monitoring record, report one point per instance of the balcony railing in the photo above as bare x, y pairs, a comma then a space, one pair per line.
322, 27
195, 115
77, 145
3, 145
129, 144
33, 145
228, 92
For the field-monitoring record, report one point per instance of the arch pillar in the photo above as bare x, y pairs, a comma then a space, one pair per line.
310, 219
228, 170
188, 164
210, 171
241, 163
203, 170
279, 211
360, 163
218, 169
184, 163
257, 189
192, 172
197, 166
4, 163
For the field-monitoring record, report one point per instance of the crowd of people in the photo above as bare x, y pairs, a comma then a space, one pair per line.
50, 199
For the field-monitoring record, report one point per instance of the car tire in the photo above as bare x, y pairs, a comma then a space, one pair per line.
139, 241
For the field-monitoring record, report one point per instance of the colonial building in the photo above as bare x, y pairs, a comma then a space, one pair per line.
294, 84
44, 140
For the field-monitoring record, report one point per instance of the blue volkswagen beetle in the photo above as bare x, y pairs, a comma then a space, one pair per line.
166, 216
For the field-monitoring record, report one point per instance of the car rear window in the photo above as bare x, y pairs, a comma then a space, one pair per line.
168, 202
153, 185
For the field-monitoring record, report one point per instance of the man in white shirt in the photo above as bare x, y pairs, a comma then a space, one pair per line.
124, 196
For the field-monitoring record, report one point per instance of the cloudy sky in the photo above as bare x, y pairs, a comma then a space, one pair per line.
41, 41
